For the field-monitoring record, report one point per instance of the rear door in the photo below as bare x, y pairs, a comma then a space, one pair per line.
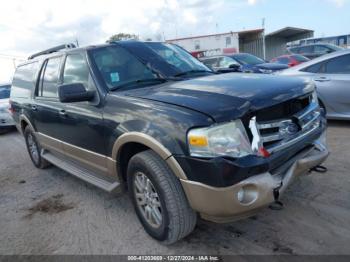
46, 107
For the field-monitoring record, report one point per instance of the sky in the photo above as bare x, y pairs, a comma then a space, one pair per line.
30, 26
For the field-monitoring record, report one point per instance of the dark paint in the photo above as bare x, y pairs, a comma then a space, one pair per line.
165, 112
225, 97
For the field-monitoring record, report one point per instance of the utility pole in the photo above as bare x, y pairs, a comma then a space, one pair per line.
263, 38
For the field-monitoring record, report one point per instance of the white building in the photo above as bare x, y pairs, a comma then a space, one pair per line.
226, 43
248, 41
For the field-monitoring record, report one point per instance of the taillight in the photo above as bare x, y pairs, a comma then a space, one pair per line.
11, 109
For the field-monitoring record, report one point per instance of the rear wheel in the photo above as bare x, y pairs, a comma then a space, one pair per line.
158, 198
34, 149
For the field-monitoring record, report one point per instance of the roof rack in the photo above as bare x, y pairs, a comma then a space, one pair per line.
53, 49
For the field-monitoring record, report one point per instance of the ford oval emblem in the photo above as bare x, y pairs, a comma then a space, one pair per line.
289, 129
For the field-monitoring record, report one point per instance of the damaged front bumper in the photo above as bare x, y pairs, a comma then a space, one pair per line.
225, 204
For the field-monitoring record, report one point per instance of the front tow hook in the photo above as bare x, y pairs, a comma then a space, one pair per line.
277, 205
319, 169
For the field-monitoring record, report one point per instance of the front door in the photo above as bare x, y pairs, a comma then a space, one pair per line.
81, 123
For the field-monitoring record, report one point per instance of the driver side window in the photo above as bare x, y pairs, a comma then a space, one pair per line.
76, 70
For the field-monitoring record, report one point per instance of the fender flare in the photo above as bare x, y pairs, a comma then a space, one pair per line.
150, 142
25, 119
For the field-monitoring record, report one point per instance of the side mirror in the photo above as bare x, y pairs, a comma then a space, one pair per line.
74, 93
235, 67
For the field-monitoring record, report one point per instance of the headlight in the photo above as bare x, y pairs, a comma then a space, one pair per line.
314, 97
265, 71
228, 139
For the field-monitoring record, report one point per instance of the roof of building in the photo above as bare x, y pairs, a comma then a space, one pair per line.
289, 31
220, 34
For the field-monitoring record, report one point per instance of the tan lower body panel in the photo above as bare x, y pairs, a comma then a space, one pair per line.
250, 195
97, 163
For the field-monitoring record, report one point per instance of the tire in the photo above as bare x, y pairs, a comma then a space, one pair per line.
34, 149
178, 219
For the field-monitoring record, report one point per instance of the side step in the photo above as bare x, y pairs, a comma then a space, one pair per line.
83, 174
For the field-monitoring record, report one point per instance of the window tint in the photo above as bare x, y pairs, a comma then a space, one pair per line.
316, 68
50, 77
5, 91
24, 80
339, 65
225, 62
76, 70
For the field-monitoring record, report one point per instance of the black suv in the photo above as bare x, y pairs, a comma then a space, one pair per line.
150, 118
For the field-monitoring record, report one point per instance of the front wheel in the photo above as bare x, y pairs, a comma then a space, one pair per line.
158, 198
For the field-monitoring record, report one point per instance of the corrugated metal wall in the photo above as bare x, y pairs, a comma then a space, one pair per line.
254, 47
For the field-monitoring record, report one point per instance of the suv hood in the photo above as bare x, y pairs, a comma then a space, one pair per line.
227, 96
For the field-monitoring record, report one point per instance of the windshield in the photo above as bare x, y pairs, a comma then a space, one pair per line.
5, 91
177, 57
247, 59
119, 67
132, 64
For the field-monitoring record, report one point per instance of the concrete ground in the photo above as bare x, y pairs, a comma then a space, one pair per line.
50, 212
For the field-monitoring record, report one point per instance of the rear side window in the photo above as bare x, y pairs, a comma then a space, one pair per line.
24, 80
316, 68
76, 70
49, 78
338, 65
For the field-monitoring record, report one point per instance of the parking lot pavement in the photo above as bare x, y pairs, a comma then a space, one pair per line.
50, 212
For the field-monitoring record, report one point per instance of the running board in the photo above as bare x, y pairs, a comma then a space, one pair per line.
83, 174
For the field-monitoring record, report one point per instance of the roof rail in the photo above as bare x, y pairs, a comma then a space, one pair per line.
52, 50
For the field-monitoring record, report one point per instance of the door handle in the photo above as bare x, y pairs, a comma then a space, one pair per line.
322, 79
62, 113
34, 108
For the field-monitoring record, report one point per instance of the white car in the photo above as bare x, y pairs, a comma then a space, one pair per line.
6, 121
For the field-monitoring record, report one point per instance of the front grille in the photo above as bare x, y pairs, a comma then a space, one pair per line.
281, 126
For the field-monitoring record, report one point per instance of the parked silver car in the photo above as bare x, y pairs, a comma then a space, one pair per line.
6, 121
331, 74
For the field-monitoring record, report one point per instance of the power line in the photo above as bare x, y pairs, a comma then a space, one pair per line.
12, 56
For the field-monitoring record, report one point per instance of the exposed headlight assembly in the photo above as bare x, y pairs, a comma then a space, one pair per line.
229, 139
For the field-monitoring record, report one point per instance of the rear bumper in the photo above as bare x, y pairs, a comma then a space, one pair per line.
225, 204
6, 120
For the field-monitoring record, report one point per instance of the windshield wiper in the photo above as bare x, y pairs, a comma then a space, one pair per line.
138, 82
193, 71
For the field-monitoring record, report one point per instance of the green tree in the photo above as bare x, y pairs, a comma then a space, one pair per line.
122, 36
